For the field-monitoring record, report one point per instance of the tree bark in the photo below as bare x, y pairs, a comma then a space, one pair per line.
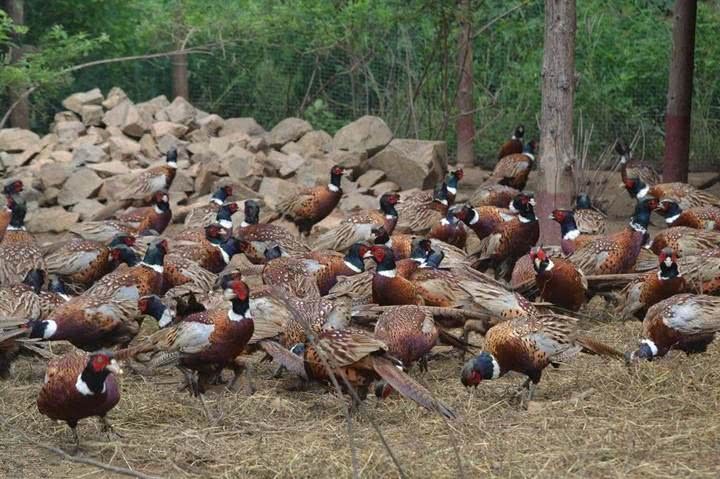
20, 116
465, 101
180, 82
556, 123
679, 98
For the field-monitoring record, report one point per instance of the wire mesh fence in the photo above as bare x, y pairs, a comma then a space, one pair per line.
411, 87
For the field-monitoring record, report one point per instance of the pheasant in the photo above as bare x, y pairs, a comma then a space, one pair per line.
419, 212
358, 226
204, 342
685, 241
402, 246
310, 206
155, 218
700, 217
21, 301
202, 216
82, 262
409, 333
509, 240
213, 253
641, 294
221, 228
589, 220
571, 237
702, 272
686, 195
527, 346
262, 236
618, 252
357, 359
388, 288
77, 386
449, 230
11, 188
687, 322
493, 195
482, 219
19, 251
152, 180
558, 280
514, 145
633, 169
513, 170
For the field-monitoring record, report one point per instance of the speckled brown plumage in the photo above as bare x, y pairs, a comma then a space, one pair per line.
493, 195
514, 145
151, 180
408, 331
513, 170
685, 241
558, 280
19, 251
687, 322
420, 211
310, 206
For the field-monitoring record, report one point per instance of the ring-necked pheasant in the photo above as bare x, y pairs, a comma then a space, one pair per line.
262, 236
19, 251
514, 145
685, 241
11, 188
482, 219
687, 322
634, 169
311, 205
527, 346
358, 225
419, 212
700, 217
152, 180
78, 386
202, 216
589, 220
686, 195
493, 195
513, 170
641, 294
558, 280
571, 237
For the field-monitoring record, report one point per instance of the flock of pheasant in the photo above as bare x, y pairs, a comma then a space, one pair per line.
359, 304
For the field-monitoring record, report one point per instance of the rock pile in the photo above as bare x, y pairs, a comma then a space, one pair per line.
100, 141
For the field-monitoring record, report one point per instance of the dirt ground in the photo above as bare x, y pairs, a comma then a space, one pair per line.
590, 418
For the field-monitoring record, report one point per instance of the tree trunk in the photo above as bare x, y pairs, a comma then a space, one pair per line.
20, 116
556, 124
180, 82
465, 100
679, 98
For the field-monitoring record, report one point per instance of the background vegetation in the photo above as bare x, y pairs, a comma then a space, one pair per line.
331, 62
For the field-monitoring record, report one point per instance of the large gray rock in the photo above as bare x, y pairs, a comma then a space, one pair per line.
357, 201
182, 182
110, 168
413, 163
92, 115
289, 129
162, 128
87, 209
14, 140
114, 96
314, 143
240, 164
54, 174
80, 185
76, 101
370, 178
88, 153
126, 117
353, 160
179, 111
275, 189
369, 134
69, 131
241, 125
211, 124
51, 220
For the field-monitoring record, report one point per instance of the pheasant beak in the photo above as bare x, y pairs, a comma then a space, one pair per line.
367, 254
114, 367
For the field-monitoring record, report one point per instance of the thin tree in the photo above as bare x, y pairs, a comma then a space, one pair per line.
180, 73
679, 98
465, 102
556, 122
20, 116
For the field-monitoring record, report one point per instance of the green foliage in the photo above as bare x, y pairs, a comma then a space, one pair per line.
332, 61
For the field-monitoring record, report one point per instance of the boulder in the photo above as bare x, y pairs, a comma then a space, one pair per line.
208, 173
256, 143
197, 136
385, 187
110, 168
179, 111
353, 160
291, 164
49, 196
370, 178
88, 153
413, 163
168, 142
182, 182
289, 129
148, 146
315, 143
244, 125
211, 124
315, 172
62, 116
80, 185
76, 101
69, 131
162, 128
51, 220
54, 174
275, 189
87, 209
369, 134
219, 145
126, 117
354, 201
114, 96
60, 156
241, 165
92, 115
14, 140
123, 147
